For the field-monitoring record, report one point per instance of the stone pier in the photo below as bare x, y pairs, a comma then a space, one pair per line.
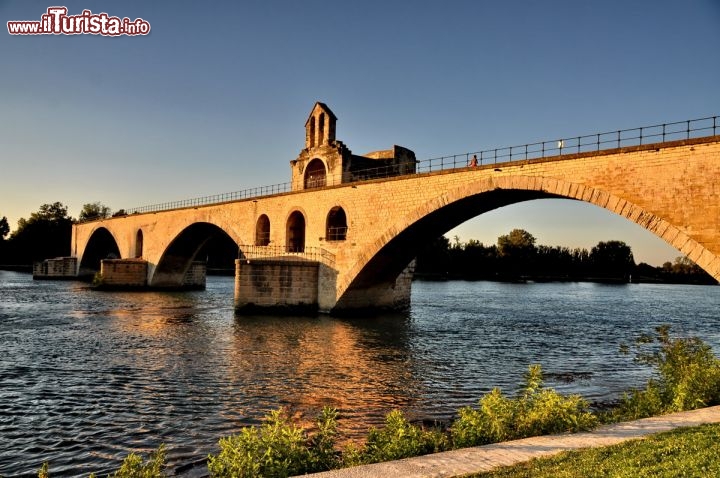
57, 268
276, 285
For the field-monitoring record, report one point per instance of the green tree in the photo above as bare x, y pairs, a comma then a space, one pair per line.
45, 234
94, 210
50, 212
612, 260
683, 265
517, 253
4, 228
554, 262
684, 271
518, 240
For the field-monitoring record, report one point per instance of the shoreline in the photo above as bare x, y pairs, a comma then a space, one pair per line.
429, 277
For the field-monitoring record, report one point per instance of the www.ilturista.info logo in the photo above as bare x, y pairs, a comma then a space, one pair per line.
57, 22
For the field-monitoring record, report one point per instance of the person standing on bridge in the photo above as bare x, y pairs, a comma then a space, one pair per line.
473, 161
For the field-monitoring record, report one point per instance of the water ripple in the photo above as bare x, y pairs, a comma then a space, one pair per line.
88, 377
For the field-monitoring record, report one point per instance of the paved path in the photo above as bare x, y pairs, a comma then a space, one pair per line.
485, 458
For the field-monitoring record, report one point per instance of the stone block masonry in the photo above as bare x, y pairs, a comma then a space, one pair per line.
120, 274
271, 285
57, 268
195, 276
123, 273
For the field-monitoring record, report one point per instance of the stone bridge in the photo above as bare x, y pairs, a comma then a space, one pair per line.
343, 238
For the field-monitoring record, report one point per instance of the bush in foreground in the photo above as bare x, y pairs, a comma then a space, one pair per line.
133, 466
396, 440
277, 448
688, 377
534, 411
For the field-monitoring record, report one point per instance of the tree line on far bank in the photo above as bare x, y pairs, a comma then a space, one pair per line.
516, 257
47, 233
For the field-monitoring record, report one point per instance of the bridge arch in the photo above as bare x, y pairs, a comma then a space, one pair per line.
189, 245
101, 245
380, 263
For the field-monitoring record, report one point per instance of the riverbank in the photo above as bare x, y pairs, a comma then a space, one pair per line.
486, 458
690, 280
635, 279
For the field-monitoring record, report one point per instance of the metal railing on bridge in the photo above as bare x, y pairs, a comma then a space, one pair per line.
317, 254
660, 133
214, 199
696, 128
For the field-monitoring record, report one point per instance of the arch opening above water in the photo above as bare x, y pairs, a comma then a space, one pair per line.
383, 262
203, 242
393, 257
101, 245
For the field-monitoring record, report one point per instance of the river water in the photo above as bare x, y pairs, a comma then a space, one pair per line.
87, 377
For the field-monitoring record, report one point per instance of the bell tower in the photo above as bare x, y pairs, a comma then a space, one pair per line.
321, 162
320, 126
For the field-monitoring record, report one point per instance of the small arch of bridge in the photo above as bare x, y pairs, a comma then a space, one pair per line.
102, 244
196, 241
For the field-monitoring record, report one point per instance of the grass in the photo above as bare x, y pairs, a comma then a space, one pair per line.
686, 452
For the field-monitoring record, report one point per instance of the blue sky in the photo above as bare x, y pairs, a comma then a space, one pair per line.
215, 98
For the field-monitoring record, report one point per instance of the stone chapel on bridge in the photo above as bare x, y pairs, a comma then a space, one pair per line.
325, 161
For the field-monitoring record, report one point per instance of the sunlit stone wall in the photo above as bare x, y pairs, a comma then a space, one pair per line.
121, 273
276, 284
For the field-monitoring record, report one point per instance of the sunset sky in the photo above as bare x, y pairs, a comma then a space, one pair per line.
215, 98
